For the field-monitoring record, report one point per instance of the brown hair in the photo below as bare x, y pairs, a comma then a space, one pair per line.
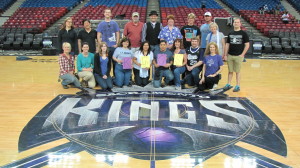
181, 44
64, 24
100, 50
170, 17
207, 50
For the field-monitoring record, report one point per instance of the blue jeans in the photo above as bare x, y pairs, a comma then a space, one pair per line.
122, 75
104, 83
162, 73
192, 77
177, 72
68, 79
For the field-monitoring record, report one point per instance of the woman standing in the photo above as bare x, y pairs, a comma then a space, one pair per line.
179, 69
102, 68
66, 65
217, 37
67, 34
123, 66
170, 32
85, 65
212, 67
141, 74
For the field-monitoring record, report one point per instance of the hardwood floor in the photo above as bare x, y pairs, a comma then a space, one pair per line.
28, 86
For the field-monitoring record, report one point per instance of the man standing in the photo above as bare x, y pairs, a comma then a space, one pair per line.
194, 63
87, 35
162, 61
205, 30
151, 31
133, 31
108, 31
236, 47
190, 30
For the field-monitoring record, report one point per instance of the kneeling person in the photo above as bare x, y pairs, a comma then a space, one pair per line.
212, 67
162, 61
85, 66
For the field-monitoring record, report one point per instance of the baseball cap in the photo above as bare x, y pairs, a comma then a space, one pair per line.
136, 14
207, 14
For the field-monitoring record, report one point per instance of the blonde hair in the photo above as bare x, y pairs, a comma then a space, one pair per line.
66, 44
207, 50
213, 24
191, 15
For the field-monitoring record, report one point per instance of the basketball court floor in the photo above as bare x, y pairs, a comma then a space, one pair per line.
44, 125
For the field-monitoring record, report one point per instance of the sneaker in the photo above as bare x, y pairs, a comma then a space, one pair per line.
196, 90
82, 92
84, 84
236, 89
177, 87
215, 86
227, 87
65, 86
108, 90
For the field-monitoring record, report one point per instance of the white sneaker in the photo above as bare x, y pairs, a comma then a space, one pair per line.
215, 86
177, 87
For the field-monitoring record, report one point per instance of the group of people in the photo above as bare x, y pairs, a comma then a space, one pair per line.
188, 56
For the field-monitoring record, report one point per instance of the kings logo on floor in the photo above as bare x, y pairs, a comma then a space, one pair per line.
151, 126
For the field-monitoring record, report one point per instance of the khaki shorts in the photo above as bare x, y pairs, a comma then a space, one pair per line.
234, 63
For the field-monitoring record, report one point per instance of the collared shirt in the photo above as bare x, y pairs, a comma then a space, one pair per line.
170, 35
65, 65
134, 33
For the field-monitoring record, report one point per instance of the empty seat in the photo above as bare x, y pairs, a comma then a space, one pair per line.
18, 41
10, 38
28, 41
267, 48
37, 42
276, 45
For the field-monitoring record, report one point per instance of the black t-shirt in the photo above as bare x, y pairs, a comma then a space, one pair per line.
188, 32
90, 38
237, 40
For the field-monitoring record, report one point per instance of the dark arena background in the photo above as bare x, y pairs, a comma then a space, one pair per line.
44, 125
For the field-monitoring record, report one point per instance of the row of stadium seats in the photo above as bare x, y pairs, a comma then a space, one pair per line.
21, 41
269, 22
181, 14
38, 18
189, 4
51, 3
113, 3
283, 45
96, 13
238, 5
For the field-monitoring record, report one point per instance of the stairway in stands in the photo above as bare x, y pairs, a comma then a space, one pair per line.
56, 26
153, 5
10, 11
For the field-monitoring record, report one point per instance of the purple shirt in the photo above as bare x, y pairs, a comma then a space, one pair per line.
213, 64
108, 31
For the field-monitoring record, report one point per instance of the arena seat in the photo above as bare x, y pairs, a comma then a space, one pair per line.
276, 45
267, 48
10, 38
18, 41
37, 42
28, 41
